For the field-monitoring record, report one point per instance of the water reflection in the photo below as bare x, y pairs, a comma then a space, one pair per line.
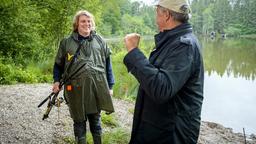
231, 56
230, 84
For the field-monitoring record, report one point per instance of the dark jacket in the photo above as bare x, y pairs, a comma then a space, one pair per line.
169, 101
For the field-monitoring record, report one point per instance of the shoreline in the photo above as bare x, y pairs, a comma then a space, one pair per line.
21, 120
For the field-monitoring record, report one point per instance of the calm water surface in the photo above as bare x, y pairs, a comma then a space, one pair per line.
230, 86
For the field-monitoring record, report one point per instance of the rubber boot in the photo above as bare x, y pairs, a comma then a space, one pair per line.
80, 132
96, 139
81, 140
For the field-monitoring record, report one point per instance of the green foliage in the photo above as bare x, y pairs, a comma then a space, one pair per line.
127, 17
31, 31
33, 73
234, 30
112, 134
233, 17
231, 56
69, 140
10, 74
124, 82
135, 24
111, 19
131, 110
18, 30
108, 120
6, 74
126, 86
115, 136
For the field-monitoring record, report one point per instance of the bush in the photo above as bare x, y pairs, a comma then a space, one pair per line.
6, 74
12, 74
124, 82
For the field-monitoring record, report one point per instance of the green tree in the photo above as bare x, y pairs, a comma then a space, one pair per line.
111, 18
18, 30
221, 13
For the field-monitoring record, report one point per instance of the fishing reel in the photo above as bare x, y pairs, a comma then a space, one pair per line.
54, 100
58, 101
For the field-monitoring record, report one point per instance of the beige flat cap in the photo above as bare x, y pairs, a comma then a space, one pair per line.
179, 6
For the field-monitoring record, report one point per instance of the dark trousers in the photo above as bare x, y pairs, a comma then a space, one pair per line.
95, 128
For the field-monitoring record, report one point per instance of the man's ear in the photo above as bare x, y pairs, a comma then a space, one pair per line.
168, 15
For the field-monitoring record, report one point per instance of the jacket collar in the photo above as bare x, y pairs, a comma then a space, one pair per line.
172, 34
75, 36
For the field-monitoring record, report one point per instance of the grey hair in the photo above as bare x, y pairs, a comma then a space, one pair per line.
176, 16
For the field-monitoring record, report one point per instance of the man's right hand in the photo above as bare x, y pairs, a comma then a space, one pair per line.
132, 41
55, 87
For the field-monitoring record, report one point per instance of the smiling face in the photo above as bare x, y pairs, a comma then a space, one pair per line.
84, 25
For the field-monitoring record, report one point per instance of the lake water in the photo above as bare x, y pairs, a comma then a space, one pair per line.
230, 86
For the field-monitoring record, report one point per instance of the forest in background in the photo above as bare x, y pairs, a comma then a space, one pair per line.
31, 30
232, 17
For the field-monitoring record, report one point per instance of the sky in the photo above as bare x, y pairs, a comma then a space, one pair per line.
151, 2
148, 2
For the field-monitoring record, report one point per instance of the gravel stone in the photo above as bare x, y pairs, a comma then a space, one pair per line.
21, 121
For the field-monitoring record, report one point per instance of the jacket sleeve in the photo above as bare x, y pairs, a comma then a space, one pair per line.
60, 57
109, 73
59, 64
57, 72
163, 82
108, 63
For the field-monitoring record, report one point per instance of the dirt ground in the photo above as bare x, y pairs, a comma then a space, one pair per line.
21, 121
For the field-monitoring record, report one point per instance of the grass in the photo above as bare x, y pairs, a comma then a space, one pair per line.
115, 136
108, 120
113, 133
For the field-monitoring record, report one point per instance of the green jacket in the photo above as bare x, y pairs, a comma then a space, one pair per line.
89, 89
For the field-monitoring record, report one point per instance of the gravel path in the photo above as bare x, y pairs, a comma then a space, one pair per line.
21, 121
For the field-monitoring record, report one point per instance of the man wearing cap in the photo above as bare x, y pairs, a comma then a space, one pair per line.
170, 96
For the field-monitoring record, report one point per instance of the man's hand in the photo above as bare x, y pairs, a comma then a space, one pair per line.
55, 87
132, 41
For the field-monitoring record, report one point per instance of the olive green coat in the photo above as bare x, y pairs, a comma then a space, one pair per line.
90, 92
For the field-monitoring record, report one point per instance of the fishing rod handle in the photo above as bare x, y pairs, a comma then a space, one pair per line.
45, 100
